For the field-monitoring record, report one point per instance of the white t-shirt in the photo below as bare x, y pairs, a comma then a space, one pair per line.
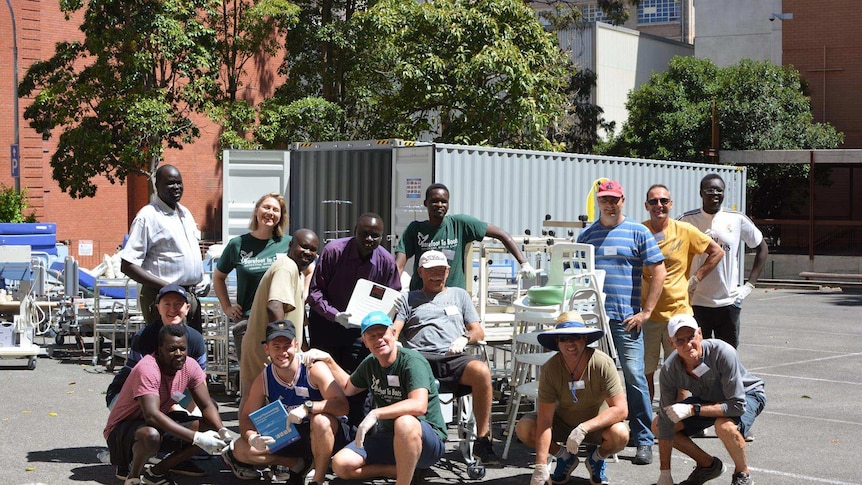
727, 228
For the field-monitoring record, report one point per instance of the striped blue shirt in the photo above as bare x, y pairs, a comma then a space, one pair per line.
622, 251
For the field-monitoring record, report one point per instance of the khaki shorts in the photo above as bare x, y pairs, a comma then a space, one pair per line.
655, 339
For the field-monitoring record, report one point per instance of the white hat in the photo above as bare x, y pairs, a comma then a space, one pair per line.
433, 259
679, 321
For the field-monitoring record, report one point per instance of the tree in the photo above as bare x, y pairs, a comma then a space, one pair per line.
761, 106
467, 72
126, 92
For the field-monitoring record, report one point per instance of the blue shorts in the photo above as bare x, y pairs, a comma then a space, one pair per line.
380, 448
754, 404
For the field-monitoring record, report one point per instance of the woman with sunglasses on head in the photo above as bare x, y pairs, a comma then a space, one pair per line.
573, 386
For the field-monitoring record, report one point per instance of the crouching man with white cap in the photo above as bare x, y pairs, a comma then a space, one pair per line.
574, 385
723, 393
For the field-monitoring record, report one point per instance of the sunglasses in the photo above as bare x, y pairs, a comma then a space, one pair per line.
570, 338
663, 200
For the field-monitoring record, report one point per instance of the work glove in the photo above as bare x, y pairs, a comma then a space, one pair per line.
225, 435
259, 442
528, 271
457, 346
678, 412
311, 356
297, 415
541, 475
364, 427
209, 441
576, 437
343, 318
665, 478
692, 283
744, 291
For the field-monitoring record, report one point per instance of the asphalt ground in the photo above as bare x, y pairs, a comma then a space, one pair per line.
805, 344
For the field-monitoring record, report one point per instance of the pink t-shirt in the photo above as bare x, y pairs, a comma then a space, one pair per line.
147, 378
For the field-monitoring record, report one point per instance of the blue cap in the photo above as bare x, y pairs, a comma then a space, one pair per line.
172, 288
375, 318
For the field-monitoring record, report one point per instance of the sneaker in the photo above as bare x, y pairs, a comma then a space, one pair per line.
701, 475
741, 478
643, 455
483, 450
749, 438
189, 469
151, 478
239, 469
597, 471
566, 464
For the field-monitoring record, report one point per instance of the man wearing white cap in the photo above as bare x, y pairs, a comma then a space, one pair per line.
439, 321
573, 387
723, 393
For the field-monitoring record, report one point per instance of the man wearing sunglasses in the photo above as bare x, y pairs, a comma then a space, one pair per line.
679, 242
717, 300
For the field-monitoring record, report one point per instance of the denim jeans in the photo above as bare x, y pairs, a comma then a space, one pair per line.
630, 348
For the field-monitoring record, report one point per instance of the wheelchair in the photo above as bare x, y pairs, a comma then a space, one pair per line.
461, 400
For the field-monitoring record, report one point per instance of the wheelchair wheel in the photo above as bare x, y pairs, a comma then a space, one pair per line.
476, 471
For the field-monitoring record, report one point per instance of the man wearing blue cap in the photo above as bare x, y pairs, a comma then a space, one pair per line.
574, 385
410, 431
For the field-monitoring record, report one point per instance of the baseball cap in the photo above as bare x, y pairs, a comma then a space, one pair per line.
433, 259
375, 318
679, 321
610, 188
172, 288
280, 328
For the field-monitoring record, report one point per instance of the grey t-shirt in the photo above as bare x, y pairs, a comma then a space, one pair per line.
432, 322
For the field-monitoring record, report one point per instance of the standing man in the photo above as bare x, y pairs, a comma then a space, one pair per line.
580, 401
141, 423
449, 234
717, 300
341, 264
278, 297
723, 393
164, 247
679, 242
405, 432
623, 249
440, 322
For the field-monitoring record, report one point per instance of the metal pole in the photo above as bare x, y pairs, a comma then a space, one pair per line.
15, 90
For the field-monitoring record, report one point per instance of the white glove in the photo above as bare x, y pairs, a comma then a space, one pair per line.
311, 356
678, 412
297, 414
575, 438
364, 427
343, 318
692, 283
457, 346
259, 442
225, 434
744, 291
541, 475
209, 441
665, 478
528, 271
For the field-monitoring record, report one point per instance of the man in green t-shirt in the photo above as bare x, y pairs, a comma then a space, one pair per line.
407, 408
449, 234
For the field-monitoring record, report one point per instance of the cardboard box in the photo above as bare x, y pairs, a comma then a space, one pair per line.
7, 336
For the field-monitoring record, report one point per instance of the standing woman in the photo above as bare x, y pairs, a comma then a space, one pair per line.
251, 255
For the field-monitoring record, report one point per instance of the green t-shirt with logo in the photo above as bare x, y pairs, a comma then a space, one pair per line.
251, 257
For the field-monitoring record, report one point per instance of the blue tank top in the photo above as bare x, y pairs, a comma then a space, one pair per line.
294, 396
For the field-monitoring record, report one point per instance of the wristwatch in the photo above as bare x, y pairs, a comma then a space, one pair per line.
696, 409
309, 407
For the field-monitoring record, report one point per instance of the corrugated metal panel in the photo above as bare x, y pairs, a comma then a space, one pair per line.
578, 42
516, 189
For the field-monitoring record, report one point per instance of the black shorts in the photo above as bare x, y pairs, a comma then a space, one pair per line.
448, 369
122, 438
301, 448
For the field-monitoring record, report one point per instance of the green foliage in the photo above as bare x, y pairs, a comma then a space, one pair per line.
467, 72
126, 92
578, 129
760, 107
307, 119
13, 204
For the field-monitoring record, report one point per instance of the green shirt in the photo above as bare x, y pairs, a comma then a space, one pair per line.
390, 385
251, 257
450, 237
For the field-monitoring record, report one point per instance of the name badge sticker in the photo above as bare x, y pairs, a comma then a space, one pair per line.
610, 251
452, 311
700, 370
577, 385
659, 236
393, 381
301, 391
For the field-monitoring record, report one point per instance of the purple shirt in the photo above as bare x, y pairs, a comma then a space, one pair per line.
338, 269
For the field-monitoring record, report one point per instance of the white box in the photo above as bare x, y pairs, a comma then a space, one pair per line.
7, 336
